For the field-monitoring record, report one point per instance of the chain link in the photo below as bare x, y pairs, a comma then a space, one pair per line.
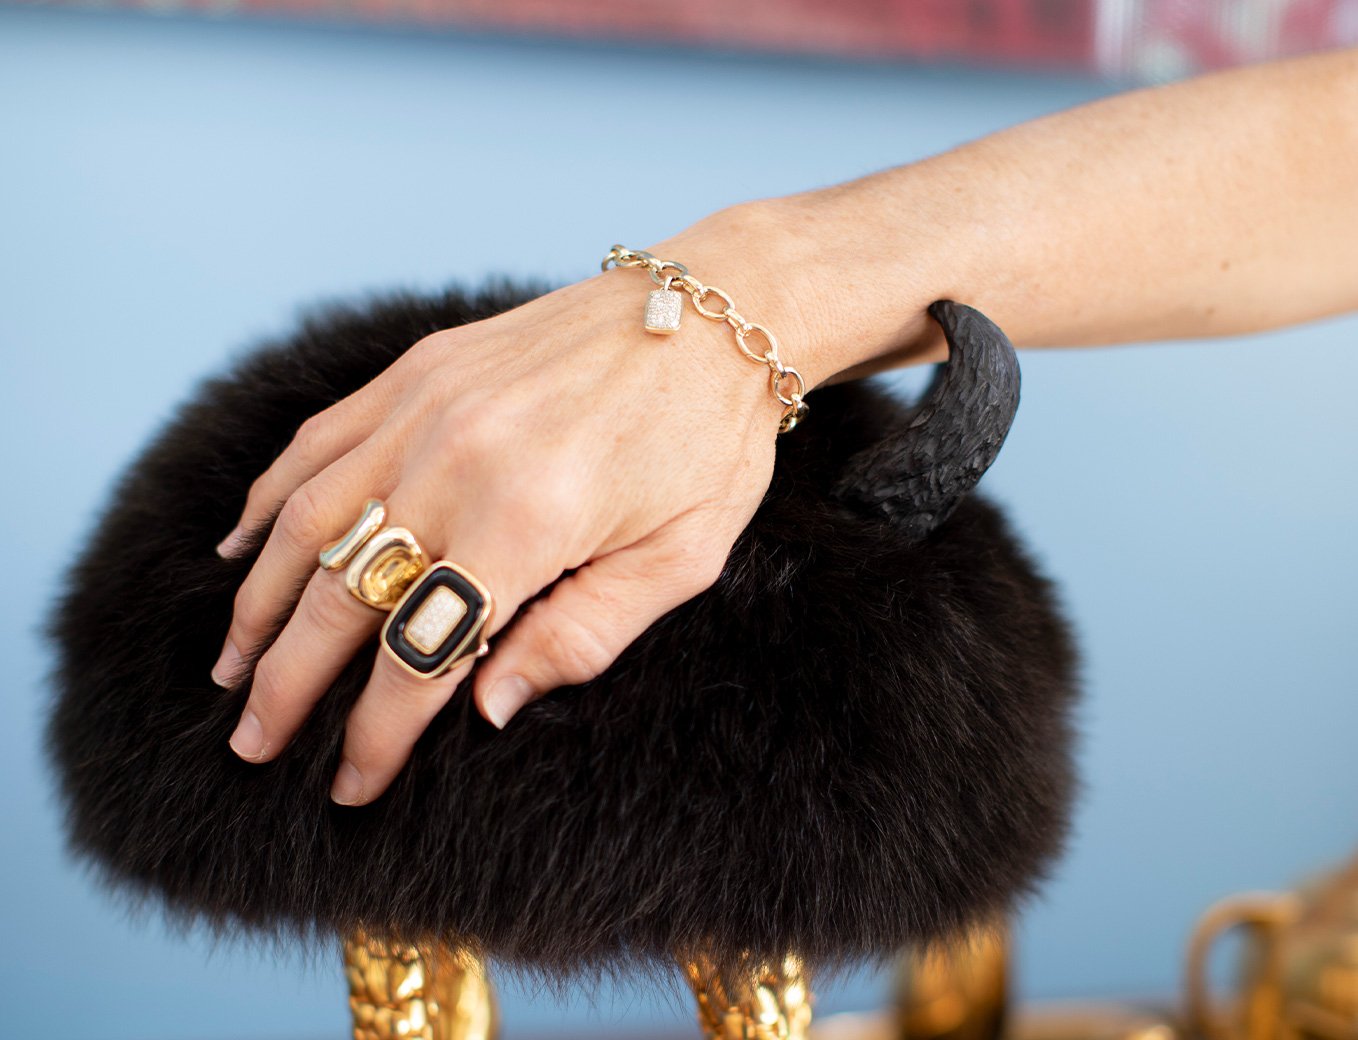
669, 274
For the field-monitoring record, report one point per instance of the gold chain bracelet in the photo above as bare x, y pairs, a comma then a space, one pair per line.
664, 307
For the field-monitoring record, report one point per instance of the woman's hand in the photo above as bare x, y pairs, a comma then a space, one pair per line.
560, 435
555, 436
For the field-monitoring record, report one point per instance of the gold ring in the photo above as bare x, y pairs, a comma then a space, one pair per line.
384, 568
341, 550
382, 561
438, 622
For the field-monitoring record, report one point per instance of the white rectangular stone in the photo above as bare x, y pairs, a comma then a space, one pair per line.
434, 619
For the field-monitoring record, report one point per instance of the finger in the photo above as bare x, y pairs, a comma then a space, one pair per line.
389, 716
320, 638
313, 515
590, 617
396, 706
319, 441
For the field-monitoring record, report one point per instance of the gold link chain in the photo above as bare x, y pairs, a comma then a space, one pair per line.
785, 382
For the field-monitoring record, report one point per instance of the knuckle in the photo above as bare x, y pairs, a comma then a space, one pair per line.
475, 430
312, 436
576, 651
364, 747
377, 749
329, 604
248, 618
266, 699
707, 567
477, 434
558, 490
435, 385
691, 561
304, 520
260, 500
421, 697
539, 500
424, 353
411, 700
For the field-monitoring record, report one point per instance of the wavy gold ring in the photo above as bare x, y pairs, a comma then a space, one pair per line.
382, 561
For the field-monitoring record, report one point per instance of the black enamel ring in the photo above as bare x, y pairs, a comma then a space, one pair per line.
437, 623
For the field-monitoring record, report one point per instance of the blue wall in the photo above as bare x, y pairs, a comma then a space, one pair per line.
173, 188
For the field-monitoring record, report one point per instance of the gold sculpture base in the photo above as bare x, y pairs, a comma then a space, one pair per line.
399, 992
768, 1002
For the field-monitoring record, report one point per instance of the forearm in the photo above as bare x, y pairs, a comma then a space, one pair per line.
1219, 205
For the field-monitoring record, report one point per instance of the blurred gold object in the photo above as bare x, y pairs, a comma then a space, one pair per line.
1092, 1020
959, 990
768, 1002
1047, 1020
399, 992
1298, 979
955, 990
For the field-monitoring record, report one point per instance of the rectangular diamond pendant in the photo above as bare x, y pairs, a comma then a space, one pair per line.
663, 308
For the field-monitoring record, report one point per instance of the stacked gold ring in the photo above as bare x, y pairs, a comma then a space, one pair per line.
437, 611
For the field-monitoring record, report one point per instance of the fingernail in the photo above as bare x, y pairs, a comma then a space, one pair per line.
224, 671
248, 740
228, 545
348, 786
506, 695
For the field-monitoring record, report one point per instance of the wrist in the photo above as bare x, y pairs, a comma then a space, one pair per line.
714, 348
865, 280
816, 269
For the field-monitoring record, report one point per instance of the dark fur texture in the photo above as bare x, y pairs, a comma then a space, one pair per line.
848, 743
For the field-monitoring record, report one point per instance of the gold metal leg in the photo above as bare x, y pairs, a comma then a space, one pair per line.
955, 990
410, 993
769, 1002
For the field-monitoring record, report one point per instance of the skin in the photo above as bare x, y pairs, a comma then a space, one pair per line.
560, 436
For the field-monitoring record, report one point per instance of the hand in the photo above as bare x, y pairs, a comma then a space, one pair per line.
558, 435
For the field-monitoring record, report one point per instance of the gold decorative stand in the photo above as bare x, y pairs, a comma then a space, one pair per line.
401, 992
769, 1002
954, 991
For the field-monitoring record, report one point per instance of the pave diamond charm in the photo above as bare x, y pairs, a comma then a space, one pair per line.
663, 308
